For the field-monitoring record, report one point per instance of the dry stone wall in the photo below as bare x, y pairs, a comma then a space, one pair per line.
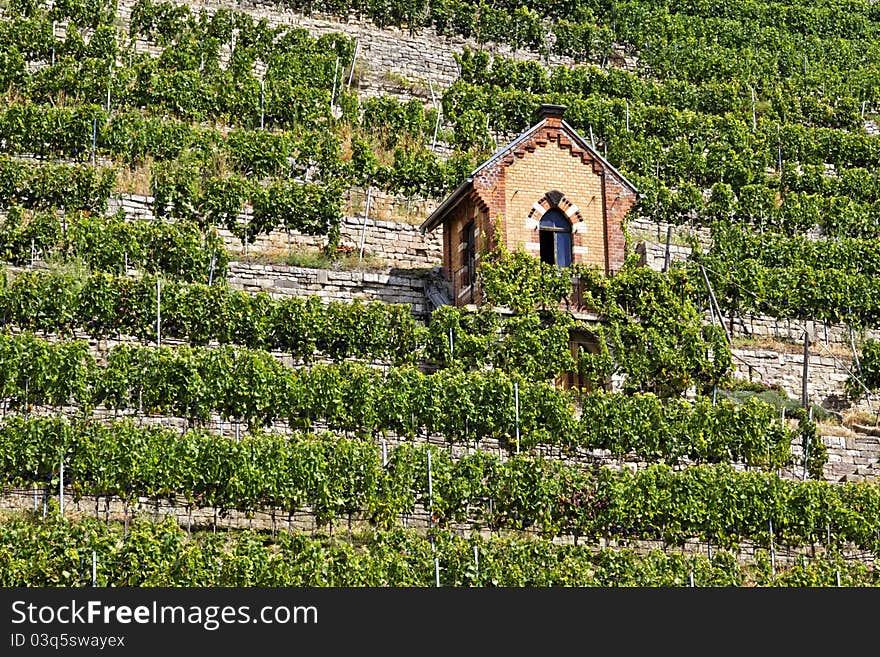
388, 243
396, 286
826, 375
641, 228
112, 509
399, 244
653, 254
852, 457
760, 326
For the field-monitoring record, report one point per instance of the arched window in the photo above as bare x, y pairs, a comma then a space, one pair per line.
555, 232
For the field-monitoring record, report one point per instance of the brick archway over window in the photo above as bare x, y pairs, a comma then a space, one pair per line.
554, 199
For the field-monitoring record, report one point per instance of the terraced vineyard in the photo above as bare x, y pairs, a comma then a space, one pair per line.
219, 365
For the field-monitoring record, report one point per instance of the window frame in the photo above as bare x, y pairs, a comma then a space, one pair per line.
470, 253
556, 230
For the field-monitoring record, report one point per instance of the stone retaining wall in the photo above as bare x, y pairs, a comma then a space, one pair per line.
641, 228
653, 254
399, 244
392, 287
826, 376
853, 457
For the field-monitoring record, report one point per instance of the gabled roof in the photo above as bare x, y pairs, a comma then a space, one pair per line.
439, 214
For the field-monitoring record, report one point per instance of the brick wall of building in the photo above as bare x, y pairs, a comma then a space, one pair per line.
548, 168
618, 200
468, 210
511, 193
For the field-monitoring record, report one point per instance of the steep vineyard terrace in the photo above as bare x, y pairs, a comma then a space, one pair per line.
219, 312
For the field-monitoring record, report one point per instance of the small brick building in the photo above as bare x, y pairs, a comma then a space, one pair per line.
547, 191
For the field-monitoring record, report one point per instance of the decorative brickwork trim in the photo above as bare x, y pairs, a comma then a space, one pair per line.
550, 200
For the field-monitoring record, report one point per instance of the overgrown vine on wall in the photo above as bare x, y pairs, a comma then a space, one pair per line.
650, 330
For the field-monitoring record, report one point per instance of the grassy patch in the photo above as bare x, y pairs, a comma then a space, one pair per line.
777, 398
346, 260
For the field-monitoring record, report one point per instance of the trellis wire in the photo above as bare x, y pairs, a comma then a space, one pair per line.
439, 109
805, 397
714, 305
357, 45
754, 115
94, 137
852, 344
436, 128
211, 269
430, 491
667, 256
431, 522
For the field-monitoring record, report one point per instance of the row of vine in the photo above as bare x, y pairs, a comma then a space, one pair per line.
463, 407
58, 553
335, 477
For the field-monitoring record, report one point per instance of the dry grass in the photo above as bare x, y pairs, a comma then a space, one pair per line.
137, 180
857, 417
791, 346
413, 86
315, 259
834, 429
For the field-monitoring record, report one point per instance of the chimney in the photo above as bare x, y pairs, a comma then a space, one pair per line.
552, 114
